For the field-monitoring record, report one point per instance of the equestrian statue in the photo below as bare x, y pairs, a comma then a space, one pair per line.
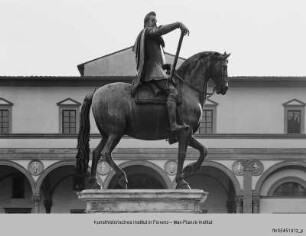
161, 103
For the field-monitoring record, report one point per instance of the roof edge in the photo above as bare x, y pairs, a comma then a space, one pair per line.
82, 64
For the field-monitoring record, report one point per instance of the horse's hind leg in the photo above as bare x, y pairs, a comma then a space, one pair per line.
106, 153
96, 154
190, 169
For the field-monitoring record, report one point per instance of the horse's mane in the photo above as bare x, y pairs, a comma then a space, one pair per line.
190, 64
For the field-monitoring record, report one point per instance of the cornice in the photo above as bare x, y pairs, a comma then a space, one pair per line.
264, 154
56, 81
198, 136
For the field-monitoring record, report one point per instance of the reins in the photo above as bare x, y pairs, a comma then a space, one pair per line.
205, 93
173, 72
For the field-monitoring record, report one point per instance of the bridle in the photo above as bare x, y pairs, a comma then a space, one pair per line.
202, 92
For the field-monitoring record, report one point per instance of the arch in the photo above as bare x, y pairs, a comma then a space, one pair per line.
274, 168
148, 164
220, 183
49, 169
58, 182
227, 172
286, 180
22, 170
205, 175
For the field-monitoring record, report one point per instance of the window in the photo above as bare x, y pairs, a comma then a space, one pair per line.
68, 116
68, 121
17, 210
77, 211
208, 123
294, 117
4, 121
5, 116
290, 189
293, 121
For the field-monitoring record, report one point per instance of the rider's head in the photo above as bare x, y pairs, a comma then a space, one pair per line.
150, 19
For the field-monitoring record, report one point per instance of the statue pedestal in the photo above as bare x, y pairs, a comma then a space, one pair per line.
143, 200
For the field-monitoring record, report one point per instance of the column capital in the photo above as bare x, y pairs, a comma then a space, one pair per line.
239, 198
256, 198
36, 197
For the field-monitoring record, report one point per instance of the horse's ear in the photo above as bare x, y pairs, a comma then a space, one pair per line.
226, 55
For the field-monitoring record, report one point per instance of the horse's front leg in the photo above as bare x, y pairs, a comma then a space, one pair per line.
192, 168
184, 137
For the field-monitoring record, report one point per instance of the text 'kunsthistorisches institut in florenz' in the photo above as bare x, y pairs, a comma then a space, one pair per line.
255, 136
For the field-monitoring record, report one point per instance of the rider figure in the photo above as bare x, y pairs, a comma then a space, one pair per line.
150, 61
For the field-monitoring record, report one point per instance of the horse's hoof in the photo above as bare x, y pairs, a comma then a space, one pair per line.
96, 186
183, 185
93, 184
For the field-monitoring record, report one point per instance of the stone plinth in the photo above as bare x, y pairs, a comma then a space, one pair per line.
142, 200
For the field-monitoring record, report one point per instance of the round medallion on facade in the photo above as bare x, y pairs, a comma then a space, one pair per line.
238, 168
171, 167
103, 168
35, 167
258, 168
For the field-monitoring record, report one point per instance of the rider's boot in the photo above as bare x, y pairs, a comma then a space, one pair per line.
171, 106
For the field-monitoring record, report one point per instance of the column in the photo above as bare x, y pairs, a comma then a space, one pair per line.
247, 185
248, 169
256, 204
36, 201
239, 204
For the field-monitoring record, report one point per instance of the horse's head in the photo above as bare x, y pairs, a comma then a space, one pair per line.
218, 72
203, 66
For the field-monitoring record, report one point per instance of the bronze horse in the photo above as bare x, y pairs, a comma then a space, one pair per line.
116, 114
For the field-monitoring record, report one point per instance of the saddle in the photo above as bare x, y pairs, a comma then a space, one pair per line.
149, 94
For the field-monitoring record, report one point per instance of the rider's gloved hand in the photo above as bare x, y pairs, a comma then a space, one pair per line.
167, 67
184, 29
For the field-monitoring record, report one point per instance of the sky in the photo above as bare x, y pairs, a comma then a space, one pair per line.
52, 37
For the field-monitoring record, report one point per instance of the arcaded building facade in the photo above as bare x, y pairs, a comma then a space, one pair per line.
255, 136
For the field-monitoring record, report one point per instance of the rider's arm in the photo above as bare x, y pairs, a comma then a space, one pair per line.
163, 29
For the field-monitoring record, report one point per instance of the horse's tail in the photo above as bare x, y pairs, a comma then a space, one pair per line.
82, 157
